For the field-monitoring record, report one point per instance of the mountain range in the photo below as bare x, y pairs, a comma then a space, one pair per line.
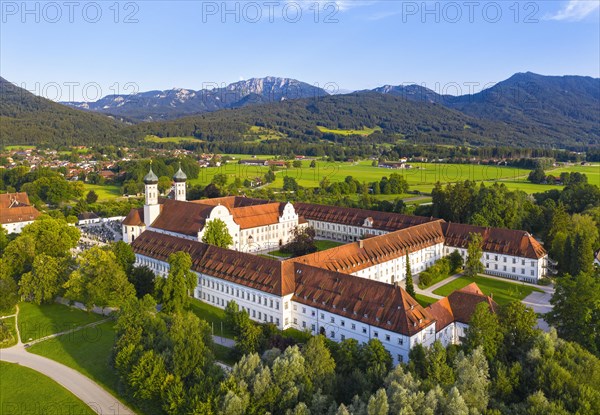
527, 110
178, 102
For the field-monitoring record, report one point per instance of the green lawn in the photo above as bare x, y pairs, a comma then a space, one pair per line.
88, 351
424, 300
39, 321
214, 316
503, 292
323, 245
421, 178
104, 191
11, 338
25, 391
279, 254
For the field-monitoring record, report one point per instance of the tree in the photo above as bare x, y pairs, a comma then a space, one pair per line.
164, 184
91, 197
582, 257
410, 285
297, 164
219, 179
142, 279
99, 280
290, 184
124, 254
8, 288
472, 379
216, 233
53, 237
518, 324
175, 289
473, 265
378, 404
576, 310
537, 176
303, 242
3, 239
320, 366
484, 331
313, 164
44, 281
456, 261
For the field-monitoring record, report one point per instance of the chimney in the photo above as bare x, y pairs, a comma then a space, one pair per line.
361, 243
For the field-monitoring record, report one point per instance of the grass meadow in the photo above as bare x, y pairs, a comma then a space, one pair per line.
25, 391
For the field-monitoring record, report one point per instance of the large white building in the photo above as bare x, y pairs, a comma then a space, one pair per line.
350, 291
16, 212
254, 224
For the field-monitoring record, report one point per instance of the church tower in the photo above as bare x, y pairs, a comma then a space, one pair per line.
180, 183
151, 207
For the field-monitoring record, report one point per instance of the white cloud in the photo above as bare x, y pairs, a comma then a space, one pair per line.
575, 10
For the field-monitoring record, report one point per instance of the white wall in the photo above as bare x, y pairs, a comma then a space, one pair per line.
15, 227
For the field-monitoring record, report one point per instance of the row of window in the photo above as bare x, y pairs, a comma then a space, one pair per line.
229, 290
514, 269
256, 315
342, 323
504, 259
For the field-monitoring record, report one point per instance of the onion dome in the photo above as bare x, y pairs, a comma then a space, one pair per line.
151, 178
180, 176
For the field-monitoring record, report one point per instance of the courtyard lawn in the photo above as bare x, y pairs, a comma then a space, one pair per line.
279, 254
424, 300
19, 147
215, 317
503, 292
37, 321
25, 391
11, 338
323, 245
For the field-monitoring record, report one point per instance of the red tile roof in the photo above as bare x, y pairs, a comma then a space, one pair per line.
497, 240
356, 256
135, 217
252, 271
15, 207
460, 306
356, 217
378, 304
182, 217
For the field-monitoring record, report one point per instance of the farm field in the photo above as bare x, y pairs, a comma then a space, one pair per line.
421, 178
19, 147
25, 391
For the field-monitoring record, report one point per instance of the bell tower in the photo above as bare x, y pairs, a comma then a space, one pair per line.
180, 184
151, 207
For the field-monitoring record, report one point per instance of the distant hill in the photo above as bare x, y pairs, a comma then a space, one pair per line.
28, 119
565, 109
175, 103
419, 122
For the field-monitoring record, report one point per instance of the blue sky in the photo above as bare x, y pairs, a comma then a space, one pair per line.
83, 50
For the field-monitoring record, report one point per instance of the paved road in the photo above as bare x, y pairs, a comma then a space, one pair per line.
84, 388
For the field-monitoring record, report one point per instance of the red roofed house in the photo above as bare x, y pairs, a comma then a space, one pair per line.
16, 212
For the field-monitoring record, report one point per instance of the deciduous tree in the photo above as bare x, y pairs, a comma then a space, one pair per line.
216, 233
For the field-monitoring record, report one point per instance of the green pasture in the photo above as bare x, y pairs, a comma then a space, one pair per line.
156, 139
19, 147
364, 131
104, 191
